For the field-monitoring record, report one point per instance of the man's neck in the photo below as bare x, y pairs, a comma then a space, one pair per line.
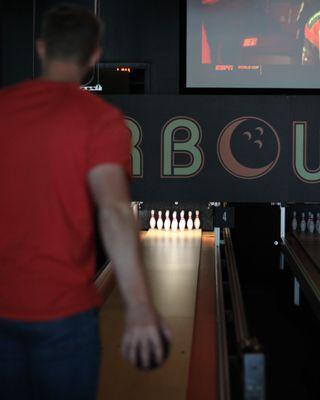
59, 71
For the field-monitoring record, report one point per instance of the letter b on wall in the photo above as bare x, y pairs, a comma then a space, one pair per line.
181, 155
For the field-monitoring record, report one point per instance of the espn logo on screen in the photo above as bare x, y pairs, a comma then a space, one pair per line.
250, 42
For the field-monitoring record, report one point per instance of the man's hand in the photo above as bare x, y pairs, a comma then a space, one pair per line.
146, 339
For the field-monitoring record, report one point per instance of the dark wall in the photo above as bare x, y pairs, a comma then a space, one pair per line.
145, 31
16, 41
136, 31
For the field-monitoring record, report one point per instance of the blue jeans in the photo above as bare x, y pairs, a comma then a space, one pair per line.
56, 360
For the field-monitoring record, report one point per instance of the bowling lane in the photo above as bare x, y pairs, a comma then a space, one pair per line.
311, 245
172, 264
301, 253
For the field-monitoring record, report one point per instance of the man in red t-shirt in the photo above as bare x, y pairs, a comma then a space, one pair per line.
62, 150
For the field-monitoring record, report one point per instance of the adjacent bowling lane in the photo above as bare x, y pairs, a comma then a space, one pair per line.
172, 266
301, 252
311, 245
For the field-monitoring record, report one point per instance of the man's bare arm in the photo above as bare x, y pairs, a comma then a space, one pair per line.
119, 231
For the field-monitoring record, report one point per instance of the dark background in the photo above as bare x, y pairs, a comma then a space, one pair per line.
136, 31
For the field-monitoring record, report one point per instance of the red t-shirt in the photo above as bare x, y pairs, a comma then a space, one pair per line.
51, 135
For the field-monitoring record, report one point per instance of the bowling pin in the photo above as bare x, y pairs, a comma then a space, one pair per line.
135, 209
197, 220
182, 223
294, 223
167, 222
311, 224
153, 221
303, 224
309, 219
318, 223
190, 222
174, 224
160, 221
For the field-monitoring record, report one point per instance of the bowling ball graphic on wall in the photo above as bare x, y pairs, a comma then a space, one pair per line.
248, 147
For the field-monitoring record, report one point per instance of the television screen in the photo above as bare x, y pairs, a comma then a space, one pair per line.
253, 44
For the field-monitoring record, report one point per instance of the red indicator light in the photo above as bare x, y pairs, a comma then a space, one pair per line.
123, 69
209, 1
250, 42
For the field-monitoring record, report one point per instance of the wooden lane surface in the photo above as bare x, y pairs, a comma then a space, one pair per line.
311, 244
203, 384
311, 272
172, 261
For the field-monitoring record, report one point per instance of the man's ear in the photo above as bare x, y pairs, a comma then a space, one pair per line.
95, 57
41, 49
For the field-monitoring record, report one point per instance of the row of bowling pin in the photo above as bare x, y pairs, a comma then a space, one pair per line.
309, 224
174, 225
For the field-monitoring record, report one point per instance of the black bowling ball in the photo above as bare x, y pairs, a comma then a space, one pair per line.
153, 364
